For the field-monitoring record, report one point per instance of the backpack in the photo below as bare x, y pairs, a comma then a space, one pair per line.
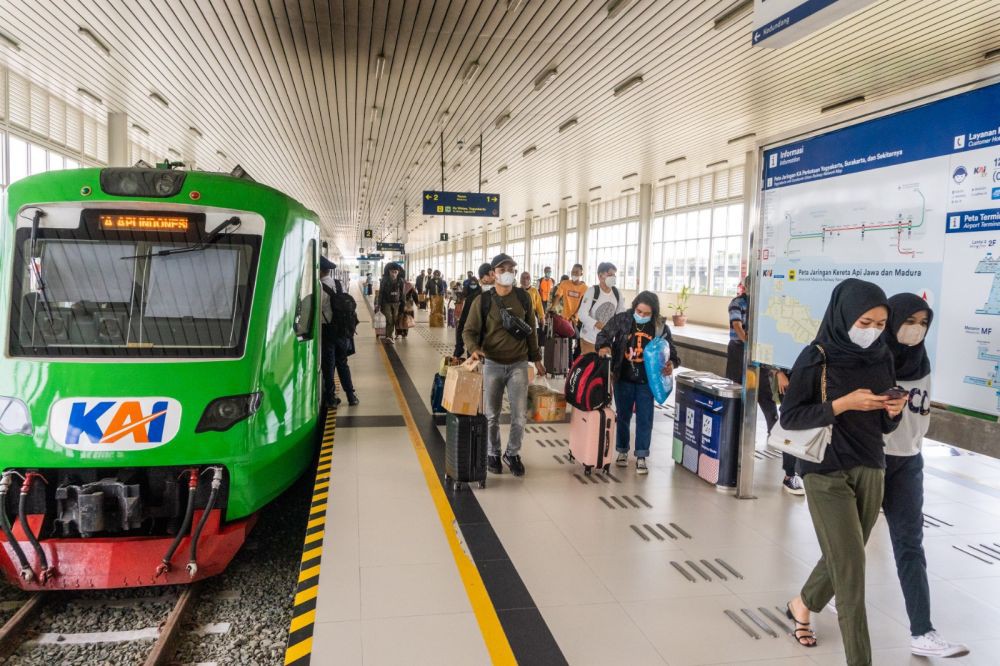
597, 294
344, 308
588, 384
484, 308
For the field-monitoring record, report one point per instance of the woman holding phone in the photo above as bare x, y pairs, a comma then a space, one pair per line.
904, 472
845, 490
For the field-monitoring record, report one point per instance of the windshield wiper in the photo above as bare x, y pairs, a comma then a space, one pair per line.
35, 270
224, 229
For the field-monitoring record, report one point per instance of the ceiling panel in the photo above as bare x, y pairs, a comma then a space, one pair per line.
343, 104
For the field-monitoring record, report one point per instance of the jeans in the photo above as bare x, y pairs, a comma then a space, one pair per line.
639, 397
765, 398
513, 378
904, 505
844, 506
333, 356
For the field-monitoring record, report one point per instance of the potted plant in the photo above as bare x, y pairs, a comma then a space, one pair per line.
680, 306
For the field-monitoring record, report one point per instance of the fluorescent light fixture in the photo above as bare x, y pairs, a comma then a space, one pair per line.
222, 154
545, 205
514, 5
572, 122
484, 182
629, 175
530, 210
94, 39
474, 147
89, 95
594, 188
993, 53
665, 179
529, 150
502, 169
733, 14
174, 151
194, 130
140, 129
10, 41
502, 120
158, 98
628, 189
567, 198
742, 137
470, 71
627, 85
373, 114
675, 160
545, 78
379, 66
858, 99
717, 164
444, 116
456, 165
595, 199
616, 7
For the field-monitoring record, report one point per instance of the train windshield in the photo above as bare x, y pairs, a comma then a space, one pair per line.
131, 294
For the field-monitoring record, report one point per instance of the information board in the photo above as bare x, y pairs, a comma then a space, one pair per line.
469, 204
389, 247
778, 23
910, 201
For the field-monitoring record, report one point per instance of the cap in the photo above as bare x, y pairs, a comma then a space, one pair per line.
502, 259
484, 270
326, 265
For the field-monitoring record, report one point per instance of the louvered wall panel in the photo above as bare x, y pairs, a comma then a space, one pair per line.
20, 101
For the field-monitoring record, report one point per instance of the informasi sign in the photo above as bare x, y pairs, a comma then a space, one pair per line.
778, 23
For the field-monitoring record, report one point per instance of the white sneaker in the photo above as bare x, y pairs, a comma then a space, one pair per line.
932, 644
622, 460
793, 485
640, 466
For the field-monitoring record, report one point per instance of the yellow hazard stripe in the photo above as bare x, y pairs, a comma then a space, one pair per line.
489, 623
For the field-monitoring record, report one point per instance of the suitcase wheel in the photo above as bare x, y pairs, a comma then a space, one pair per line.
571, 458
587, 469
607, 468
482, 484
447, 481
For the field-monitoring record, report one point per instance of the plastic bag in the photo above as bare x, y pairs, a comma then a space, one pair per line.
655, 357
379, 323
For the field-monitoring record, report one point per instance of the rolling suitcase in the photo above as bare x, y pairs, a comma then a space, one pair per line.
592, 438
437, 395
465, 450
556, 356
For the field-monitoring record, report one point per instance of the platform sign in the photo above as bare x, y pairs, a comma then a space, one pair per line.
778, 23
443, 237
368, 233
390, 247
469, 204
909, 201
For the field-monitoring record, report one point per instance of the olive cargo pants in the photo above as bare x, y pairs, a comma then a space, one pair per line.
844, 507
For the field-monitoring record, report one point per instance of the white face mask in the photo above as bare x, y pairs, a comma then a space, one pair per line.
610, 281
911, 334
486, 287
506, 279
864, 337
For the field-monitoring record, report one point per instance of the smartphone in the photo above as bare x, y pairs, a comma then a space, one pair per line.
895, 393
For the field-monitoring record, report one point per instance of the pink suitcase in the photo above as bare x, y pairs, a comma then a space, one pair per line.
592, 438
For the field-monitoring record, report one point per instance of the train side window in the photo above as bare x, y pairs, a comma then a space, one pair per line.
305, 311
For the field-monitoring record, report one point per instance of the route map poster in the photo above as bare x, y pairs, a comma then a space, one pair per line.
910, 201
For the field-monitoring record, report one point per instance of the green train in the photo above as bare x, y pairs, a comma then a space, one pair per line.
159, 381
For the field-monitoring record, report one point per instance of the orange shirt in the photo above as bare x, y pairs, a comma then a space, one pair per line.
545, 288
571, 294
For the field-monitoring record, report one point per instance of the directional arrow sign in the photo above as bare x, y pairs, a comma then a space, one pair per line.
469, 204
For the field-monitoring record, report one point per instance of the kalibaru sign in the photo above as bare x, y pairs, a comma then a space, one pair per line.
778, 23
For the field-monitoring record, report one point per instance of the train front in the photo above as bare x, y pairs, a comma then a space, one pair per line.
124, 380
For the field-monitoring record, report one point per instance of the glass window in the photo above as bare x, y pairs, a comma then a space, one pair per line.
516, 251
700, 248
618, 244
307, 287
36, 161
545, 252
572, 255
18, 159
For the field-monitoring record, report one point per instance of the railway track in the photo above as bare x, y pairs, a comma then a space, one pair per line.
22, 628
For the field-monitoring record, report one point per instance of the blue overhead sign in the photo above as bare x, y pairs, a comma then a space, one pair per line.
778, 23
389, 247
470, 204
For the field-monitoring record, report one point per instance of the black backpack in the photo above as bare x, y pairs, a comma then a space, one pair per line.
484, 307
597, 294
345, 312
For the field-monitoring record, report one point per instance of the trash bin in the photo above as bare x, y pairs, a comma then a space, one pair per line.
687, 421
719, 410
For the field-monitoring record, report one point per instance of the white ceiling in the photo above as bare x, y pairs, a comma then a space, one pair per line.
288, 89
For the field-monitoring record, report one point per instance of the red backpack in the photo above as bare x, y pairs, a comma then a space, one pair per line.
588, 384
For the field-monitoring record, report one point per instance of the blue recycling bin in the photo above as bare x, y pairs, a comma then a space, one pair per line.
719, 408
687, 420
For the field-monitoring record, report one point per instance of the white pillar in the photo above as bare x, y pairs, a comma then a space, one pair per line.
118, 139
563, 221
582, 235
645, 227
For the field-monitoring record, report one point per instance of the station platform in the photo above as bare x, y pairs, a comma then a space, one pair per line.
555, 567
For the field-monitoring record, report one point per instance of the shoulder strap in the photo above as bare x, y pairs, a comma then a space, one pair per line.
329, 292
822, 385
597, 294
524, 299
618, 296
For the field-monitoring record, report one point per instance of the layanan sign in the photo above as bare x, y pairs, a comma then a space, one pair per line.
778, 23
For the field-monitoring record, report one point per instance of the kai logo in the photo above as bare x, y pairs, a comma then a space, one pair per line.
114, 424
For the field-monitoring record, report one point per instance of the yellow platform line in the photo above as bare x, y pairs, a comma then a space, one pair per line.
489, 623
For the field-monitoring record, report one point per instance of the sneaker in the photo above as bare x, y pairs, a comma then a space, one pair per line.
622, 460
793, 485
515, 464
640, 466
932, 644
333, 402
493, 465
352, 400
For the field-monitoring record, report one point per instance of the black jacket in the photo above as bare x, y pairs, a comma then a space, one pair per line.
390, 291
436, 287
615, 335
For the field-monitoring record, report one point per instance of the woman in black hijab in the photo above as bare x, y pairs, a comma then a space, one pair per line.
904, 471
844, 490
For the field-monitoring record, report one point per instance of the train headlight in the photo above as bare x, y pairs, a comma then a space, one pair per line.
15, 419
223, 413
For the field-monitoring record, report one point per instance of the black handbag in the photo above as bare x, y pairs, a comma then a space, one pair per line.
516, 327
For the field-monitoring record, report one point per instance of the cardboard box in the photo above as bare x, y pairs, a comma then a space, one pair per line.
463, 390
545, 405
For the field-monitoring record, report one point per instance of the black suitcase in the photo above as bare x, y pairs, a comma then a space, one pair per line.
465, 450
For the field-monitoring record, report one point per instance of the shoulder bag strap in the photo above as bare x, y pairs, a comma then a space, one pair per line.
822, 386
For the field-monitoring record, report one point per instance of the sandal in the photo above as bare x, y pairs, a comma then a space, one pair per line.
805, 627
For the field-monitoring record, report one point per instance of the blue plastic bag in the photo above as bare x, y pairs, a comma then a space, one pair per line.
655, 357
